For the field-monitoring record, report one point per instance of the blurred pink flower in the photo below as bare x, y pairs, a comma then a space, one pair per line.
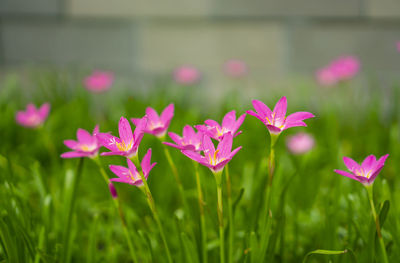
113, 191
130, 174
300, 143
235, 68
157, 125
325, 77
366, 172
398, 46
186, 75
190, 140
340, 69
86, 146
99, 81
33, 117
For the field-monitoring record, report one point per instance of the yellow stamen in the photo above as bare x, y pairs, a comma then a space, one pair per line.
124, 147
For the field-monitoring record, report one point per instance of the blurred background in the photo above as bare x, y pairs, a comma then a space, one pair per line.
279, 40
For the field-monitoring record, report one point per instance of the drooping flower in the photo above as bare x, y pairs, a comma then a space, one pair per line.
214, 159
113, 191
87, 144
190, 140
186, 75
157, 125
366, 172
128, 143
235, 68
300, 143
33, 117
229, 125
130, 174
276, 120
99, 81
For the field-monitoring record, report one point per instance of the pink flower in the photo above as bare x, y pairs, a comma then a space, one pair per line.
99, 81
229, 125
33, 117
186, 75
300, 143
345, 68
86, 146
131, 175
340, 69
235, 68
128, 143
113, 191
190, 140
398, 46
214, 159
326, 77
157, 125
366, 172
276, 120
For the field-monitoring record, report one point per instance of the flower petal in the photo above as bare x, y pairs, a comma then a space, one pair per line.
146, 163
273, 129
120, 171
84, 136
208, 145
152, 115
347, 174
262, 109
229, 120
108, 141
167, 115
280, 109
125, 131
44, 111
351, 164
225, 146
298, 116
368, 163
194, 156
74, 154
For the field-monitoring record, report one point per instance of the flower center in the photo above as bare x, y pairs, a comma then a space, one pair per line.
123, 147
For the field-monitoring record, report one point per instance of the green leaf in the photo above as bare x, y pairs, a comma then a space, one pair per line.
384, 210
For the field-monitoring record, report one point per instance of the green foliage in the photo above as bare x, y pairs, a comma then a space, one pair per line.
42, 219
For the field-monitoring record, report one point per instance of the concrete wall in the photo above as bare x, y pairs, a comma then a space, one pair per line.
275, 37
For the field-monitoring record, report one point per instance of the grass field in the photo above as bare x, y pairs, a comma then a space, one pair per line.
61, 210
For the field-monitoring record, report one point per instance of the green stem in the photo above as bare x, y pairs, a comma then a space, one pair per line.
71, 201
202, 218
117, 204
265, 221
152, 206
377, 224
230, 215
177, 178
221, 225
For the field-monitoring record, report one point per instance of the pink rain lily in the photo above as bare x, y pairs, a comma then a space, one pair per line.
157, 125
300, 143
33, 117
366, 172
86, 146
235, 68
276, 120
190, 140
130, 174
99, 81
340, 69
128, 143
186, 75
229, 125
214, 159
